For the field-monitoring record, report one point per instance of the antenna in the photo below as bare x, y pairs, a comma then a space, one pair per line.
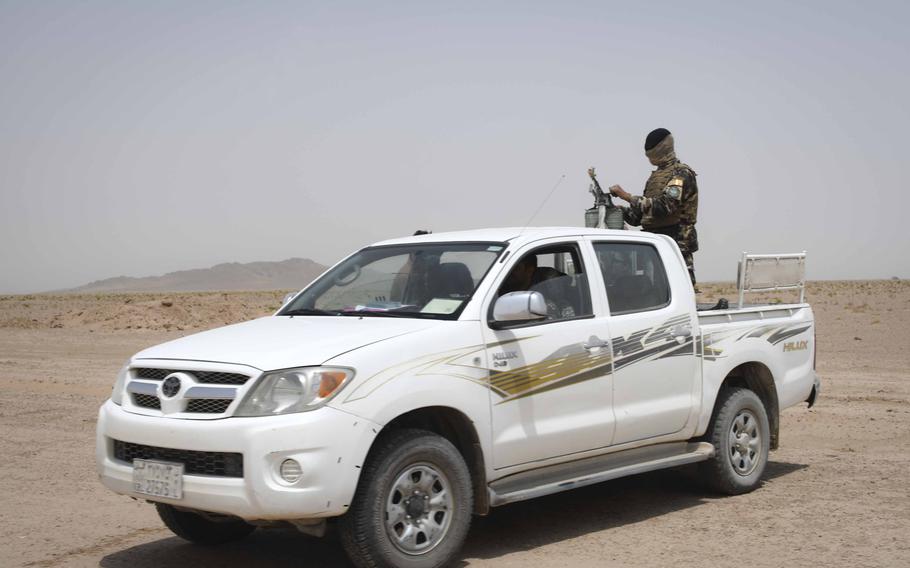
544, 202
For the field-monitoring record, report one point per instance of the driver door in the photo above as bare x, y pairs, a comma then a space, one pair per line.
551, 391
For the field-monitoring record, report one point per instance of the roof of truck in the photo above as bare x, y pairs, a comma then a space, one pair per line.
503, 234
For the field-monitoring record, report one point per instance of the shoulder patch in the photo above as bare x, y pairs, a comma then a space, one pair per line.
678, 181
685, 169
674, 191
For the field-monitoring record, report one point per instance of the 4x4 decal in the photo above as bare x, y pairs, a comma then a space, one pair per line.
573, 364
570, 364
772, 333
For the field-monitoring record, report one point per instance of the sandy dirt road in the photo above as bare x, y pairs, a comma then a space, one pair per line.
837, 493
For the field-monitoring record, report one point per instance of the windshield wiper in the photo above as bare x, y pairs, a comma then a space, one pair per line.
309, 312
389, 314
383, 314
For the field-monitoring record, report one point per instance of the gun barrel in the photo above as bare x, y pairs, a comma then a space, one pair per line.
604, 214
600, 196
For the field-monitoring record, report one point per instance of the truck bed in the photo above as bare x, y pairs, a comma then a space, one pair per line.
778, 336
756, 311
710, 306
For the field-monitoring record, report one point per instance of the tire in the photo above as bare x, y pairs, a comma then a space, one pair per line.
200, 530
741, 437
410, 474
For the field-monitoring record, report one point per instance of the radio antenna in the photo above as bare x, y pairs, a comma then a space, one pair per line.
544, 202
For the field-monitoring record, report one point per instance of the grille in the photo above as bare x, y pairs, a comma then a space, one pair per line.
219, 464
208, 405
147, 401
209, 377
152, 374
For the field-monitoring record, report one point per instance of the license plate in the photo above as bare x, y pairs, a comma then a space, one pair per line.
160, 479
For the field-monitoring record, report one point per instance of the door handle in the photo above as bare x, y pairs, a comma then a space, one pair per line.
681, 332
595, 343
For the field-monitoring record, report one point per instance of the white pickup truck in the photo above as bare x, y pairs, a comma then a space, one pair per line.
426, 379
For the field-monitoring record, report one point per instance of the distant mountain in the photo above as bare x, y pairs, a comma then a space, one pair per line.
293, 273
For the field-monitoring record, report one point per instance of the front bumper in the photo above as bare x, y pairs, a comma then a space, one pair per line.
329, 444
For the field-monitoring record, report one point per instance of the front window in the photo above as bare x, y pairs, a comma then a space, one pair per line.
557, 272
433, 280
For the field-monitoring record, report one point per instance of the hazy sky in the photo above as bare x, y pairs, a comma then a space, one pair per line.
140, 138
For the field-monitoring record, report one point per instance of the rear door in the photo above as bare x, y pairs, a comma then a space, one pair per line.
550, 380
655, 367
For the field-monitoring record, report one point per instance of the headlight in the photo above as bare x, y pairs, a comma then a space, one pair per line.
120, 384
293, 390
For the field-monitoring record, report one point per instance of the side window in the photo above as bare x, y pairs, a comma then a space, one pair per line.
634, 276
557, 272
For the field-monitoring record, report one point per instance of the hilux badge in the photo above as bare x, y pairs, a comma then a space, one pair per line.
502, 359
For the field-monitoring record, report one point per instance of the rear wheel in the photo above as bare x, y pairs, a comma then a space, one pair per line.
741, 438
413, 504
201, 530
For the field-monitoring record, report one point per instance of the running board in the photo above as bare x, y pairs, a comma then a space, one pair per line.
565, 476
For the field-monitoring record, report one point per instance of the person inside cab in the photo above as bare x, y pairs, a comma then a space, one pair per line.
522, 276
557, 288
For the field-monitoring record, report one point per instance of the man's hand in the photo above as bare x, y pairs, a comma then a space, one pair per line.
620, 193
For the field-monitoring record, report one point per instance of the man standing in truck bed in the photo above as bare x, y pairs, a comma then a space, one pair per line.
669, 205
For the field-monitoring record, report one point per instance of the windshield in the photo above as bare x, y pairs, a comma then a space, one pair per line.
415, 280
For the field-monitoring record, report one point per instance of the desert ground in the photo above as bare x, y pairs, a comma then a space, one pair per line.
837, 492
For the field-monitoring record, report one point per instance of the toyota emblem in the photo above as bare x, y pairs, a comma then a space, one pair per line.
171, 386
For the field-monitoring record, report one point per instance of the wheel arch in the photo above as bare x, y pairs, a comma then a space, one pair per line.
457, 428
759, 379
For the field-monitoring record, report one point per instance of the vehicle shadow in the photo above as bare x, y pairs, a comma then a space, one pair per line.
564, 516
508, 529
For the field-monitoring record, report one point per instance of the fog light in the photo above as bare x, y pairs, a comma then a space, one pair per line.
290, 471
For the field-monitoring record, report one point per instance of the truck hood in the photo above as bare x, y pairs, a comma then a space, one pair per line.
281, 342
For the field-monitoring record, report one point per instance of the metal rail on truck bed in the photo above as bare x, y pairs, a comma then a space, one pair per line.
771, 273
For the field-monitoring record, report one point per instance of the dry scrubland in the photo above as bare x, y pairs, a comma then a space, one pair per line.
183, 311
837, 492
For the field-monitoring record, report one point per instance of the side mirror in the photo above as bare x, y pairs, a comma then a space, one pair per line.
287, 298
519, 306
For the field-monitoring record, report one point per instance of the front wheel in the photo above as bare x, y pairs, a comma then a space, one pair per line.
413, 504
742, 440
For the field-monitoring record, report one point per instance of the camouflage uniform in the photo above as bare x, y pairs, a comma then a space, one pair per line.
669, 205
